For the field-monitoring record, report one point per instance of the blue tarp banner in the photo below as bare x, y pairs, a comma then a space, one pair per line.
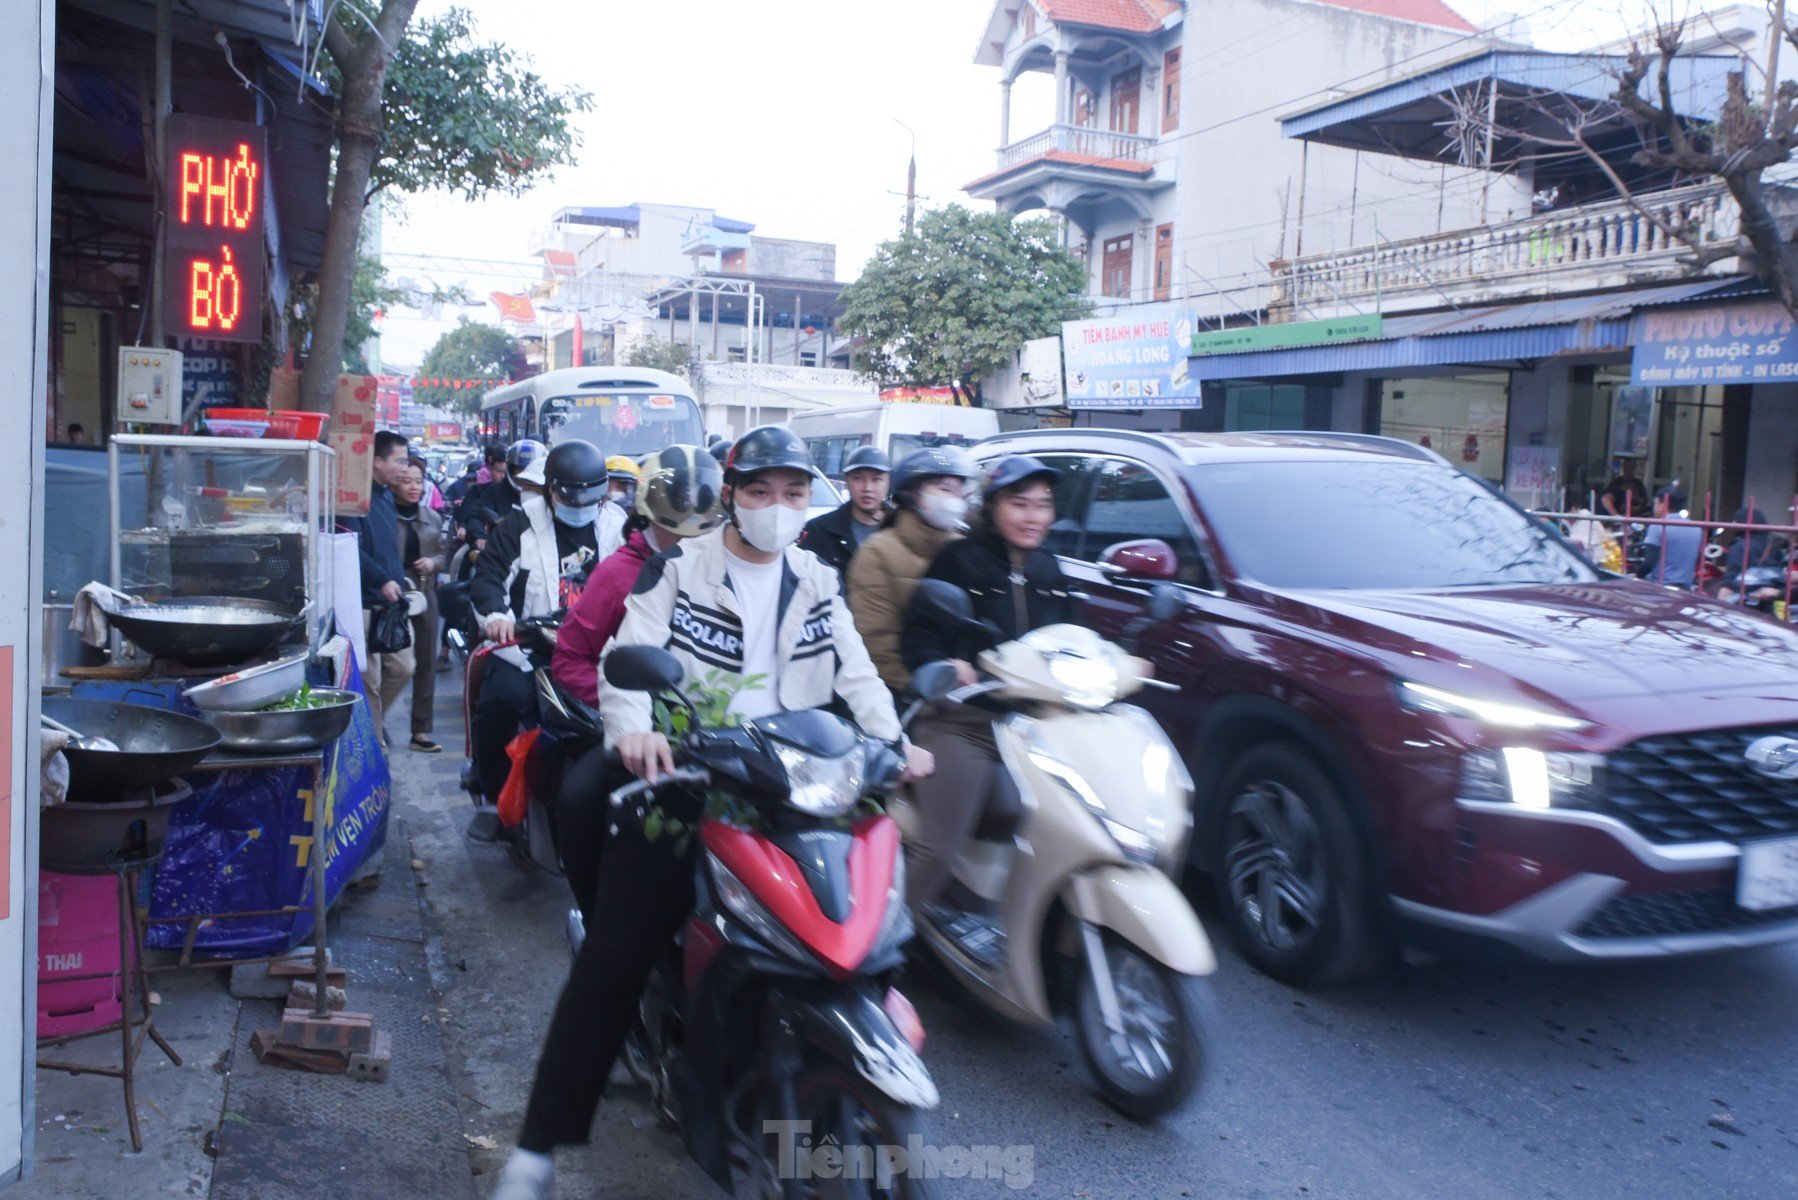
243, 841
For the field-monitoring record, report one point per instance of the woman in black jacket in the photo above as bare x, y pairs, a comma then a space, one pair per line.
1018, 586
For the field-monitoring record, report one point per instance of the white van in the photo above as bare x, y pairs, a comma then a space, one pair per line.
898, 427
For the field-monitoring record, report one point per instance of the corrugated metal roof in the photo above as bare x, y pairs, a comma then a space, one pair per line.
1500, 333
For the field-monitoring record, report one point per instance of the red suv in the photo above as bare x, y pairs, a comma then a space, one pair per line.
1414, 713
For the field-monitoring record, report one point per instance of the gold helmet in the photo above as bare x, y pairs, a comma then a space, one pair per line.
681, 492
619, 466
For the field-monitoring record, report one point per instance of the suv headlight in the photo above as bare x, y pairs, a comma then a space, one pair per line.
1529, 778
1421, 697
822, 787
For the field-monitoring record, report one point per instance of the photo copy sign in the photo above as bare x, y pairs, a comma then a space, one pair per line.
1752, 342
1136, 359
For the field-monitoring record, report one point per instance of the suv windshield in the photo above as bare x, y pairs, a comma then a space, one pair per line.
1382, 524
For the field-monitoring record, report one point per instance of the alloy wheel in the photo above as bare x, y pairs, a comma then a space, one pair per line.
1145, 1046
1274, 865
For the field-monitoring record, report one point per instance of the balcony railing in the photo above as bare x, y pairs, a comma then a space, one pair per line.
1594, 240
1077, 139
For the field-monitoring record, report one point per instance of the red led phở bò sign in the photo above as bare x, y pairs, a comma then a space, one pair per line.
215, 184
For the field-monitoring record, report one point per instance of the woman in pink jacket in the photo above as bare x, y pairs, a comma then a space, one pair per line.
678, 498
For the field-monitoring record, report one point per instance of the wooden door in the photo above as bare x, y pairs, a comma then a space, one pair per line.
1126, 100
1164, 261
1114, 278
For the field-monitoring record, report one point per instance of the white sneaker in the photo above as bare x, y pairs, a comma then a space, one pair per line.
526, 1176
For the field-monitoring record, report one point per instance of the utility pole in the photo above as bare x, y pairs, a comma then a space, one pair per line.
1775, 35
911, 178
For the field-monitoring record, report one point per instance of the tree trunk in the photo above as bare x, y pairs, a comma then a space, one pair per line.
362, 63
1776, 260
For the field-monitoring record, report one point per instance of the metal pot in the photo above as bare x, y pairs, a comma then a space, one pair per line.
287, 729
204, 631
251, 688
154, 746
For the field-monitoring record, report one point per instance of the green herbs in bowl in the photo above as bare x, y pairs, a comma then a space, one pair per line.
304, 698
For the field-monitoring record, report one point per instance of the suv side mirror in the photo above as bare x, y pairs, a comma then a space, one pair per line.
643, 669
1147, 558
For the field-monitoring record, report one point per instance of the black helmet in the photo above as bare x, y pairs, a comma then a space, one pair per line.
719, 448
1011, 471
930, 463
522, 454
575, 473
768, 448
867, 458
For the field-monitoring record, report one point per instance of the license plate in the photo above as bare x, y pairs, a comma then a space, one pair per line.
1768, 876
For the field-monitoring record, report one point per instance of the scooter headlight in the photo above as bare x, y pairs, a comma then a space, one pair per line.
736, 897
1137, 845
822, 787
1089, 682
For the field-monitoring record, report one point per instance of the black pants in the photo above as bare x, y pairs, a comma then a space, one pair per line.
508, 702
583, 810
644, 894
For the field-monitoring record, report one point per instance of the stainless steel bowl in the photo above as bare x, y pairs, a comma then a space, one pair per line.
286, 729
252, 687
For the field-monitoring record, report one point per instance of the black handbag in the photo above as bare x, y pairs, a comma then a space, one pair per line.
391, 630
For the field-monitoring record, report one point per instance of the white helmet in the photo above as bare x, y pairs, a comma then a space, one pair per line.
682, 491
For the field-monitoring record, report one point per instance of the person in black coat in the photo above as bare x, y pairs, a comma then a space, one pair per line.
838, 534
1018, 586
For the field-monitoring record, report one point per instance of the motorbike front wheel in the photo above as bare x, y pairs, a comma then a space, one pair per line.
1157, 1061
852, 1142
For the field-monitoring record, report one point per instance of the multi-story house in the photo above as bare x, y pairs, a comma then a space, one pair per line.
1164, 160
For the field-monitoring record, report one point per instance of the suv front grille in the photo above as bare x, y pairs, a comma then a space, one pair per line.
1698, 787
1668, 914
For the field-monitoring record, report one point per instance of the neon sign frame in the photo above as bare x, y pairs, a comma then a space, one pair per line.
215, 184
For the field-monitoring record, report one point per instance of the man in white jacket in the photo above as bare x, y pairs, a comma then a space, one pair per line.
744, 602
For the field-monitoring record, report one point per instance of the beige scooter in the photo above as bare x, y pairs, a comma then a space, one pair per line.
1074, 909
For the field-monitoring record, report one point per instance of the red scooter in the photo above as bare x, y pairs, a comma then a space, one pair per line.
773, 1027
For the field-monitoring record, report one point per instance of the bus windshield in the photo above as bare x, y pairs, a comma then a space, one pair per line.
629, 423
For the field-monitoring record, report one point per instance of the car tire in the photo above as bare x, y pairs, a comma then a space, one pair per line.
1290, 870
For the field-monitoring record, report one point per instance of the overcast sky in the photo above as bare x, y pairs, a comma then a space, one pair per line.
779, 112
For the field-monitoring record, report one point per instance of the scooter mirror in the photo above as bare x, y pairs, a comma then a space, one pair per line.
1165, 602
943, 601
643, 669
933, 681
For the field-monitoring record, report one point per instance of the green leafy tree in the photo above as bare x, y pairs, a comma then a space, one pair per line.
955, 299
370, 295
657, 355
420, 108
470, 351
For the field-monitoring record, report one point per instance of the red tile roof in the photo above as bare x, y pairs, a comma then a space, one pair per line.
1422, 12
1130, 16
1068, 158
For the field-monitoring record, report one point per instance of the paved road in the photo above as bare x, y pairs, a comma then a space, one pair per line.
1447, 1080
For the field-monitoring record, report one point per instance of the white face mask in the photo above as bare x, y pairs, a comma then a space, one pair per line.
943, 512
771, 529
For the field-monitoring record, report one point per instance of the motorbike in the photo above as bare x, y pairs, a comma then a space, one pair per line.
566, 727
1066, 901
776, 1010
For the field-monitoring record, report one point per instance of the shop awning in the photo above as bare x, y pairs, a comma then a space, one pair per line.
1528, 92
1502, 333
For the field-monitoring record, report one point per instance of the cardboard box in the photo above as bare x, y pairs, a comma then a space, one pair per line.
351, 434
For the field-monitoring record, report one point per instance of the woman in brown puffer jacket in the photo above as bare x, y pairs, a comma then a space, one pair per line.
930, 502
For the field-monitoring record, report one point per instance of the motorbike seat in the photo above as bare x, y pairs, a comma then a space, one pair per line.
1004, 810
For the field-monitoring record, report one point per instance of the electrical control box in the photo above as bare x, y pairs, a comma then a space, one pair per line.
149, 386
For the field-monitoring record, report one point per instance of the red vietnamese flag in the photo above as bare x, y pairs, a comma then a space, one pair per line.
514, 308
577, 340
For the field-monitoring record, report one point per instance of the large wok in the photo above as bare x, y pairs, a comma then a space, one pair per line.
154, 746
203, 631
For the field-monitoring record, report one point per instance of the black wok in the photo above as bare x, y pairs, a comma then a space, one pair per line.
154, 746
204, 631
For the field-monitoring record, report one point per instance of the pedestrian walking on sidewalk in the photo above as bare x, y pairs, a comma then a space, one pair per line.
383, 571
424, 550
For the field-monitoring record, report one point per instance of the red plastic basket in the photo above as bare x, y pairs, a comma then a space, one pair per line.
295, 425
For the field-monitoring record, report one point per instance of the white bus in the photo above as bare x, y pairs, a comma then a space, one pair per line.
898, 427
632, 411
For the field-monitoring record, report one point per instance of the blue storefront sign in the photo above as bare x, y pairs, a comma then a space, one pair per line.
1755, 341
1137, 359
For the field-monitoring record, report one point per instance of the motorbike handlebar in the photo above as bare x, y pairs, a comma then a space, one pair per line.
643, 787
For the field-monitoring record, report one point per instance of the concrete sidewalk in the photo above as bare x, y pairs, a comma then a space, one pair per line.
224, 1126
